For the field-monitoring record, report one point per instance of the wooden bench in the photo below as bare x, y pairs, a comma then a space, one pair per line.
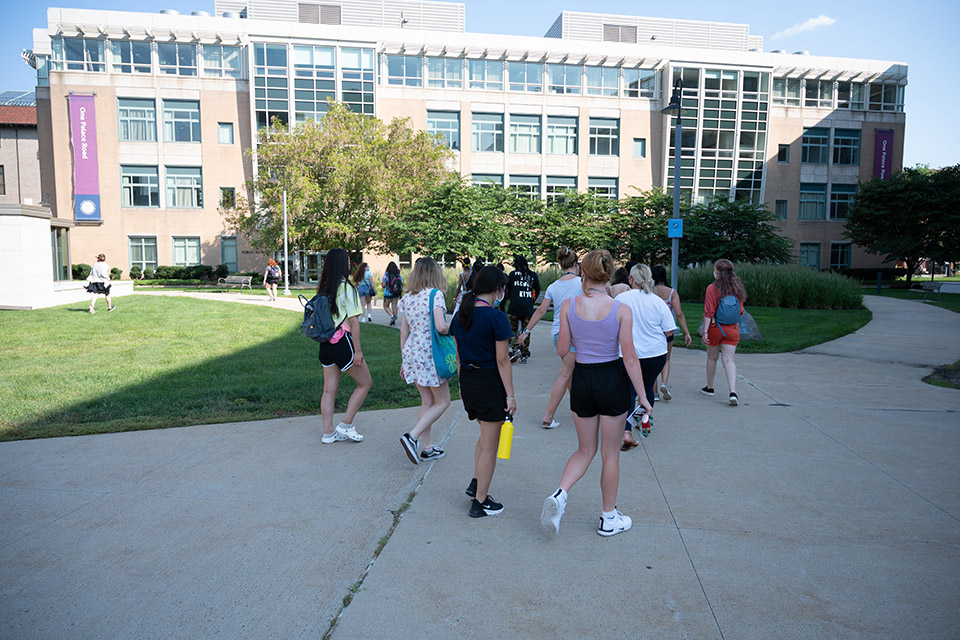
236, 281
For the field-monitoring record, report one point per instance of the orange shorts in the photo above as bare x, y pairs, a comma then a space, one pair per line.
717, 338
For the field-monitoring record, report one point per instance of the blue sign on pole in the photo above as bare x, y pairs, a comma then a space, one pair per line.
675, 228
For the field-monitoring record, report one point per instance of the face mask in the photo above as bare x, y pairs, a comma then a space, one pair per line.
499, 299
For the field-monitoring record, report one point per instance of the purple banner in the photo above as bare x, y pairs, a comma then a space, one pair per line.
86, 174
883, 154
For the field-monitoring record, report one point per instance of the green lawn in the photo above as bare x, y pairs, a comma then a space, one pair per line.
165, 362
949, 301
786, 329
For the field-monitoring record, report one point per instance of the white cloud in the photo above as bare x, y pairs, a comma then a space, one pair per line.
807, 25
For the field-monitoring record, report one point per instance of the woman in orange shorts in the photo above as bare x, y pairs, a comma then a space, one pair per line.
721, 338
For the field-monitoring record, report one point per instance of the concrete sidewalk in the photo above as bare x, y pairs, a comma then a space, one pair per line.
827, 505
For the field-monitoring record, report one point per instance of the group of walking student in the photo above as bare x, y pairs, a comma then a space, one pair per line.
614, 342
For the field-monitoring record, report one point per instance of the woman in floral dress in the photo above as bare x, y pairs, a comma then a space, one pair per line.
416, 349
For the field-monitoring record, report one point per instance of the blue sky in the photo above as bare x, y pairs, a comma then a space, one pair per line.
921, 33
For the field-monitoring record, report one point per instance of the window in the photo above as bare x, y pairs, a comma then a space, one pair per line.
186, 251
136, 120
131, 57
143, 251
3, 182
228, 253
78, 54
841, 197
221, 61
606, 187
604, 137
314, 81
846, 146
818, 93
225, 132
783, 154
718, 83
524, 134
271, 87
526, 76
886, 97
177, 59
562, 135
556, 185
356, 79
485, 74
228, 197
405, 70
786, 91
639, 147
486, 179
445, 73
487, 132
563, 78
447, 124
184, 188
810, 254
780, 209
181, 121
815, 146
526, 186
813, 201
603, 81
840, 255
60, 252
850, 95
639, 83
140, 186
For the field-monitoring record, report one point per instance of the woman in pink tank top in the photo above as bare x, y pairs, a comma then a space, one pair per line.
599, 328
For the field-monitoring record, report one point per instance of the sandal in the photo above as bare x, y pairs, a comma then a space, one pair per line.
629, 442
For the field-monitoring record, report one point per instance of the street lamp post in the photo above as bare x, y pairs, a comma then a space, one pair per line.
674, 109
286, 255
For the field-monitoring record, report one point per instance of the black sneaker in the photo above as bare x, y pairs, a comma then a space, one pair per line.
410, 447
486, 508
472, 488
708, 391
523, 360
514, 355
393, 320
433, 453
734, 400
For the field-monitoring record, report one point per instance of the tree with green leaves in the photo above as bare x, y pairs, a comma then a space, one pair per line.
346, 176
738, 230
911, 216
580, 221
639, 227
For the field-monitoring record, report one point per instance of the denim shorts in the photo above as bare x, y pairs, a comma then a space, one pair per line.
556, 338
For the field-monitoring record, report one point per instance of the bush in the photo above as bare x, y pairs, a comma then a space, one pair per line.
148, 273
80, 271
136, 271
257, 277
222, 271
115, 273
789, 286
169, 273
198, 272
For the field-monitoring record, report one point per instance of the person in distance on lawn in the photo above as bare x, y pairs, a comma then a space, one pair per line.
271, 278
98, 283
342, 352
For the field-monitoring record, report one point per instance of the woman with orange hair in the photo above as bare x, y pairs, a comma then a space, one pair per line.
271, 278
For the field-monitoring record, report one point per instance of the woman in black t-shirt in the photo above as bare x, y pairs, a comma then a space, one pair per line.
523, 287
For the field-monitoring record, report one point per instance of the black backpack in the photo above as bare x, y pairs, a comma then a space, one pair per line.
317, 319
395, 286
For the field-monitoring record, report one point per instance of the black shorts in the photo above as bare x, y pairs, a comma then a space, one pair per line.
273, 280
98, 288
602, 388
483, 395
339, 354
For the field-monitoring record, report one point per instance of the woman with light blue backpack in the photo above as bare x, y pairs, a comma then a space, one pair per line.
722, 308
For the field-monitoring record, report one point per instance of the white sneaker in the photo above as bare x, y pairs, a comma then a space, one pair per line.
553, 508
665, 392
612, 526
553, 424
340, 434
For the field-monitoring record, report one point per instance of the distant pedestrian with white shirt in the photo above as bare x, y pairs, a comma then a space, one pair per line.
98, 283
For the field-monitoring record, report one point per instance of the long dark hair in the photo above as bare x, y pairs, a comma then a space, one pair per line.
520, 264
336, 269
477, 268
659, 274
621, 276
727, 281
486, 280
393, 268
360, 271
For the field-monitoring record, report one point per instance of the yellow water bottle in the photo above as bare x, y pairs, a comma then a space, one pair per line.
506, 439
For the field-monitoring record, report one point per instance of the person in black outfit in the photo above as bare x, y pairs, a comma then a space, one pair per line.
523, 287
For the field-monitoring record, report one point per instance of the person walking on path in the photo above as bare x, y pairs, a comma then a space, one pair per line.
364, 284
462, 281
672, 299
523, 288
392, 284
342, 352
417, 317
722, 308
601, 328
652, 320
566, 286
98, 283
271, 278
482, 334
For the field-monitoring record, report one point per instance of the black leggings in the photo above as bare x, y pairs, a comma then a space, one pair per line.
650, 368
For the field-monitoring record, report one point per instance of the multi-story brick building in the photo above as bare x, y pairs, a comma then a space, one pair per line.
178, 100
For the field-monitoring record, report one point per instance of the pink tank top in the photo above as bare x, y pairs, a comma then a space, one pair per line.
595, 340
